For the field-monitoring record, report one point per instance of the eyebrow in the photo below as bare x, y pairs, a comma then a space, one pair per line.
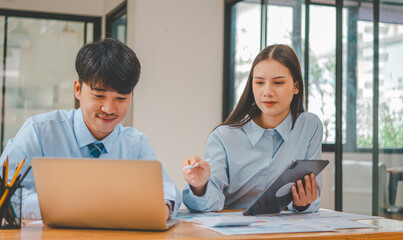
277, 77
105, 90
98, 89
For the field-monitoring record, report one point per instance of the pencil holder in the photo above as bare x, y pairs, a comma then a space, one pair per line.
10, 214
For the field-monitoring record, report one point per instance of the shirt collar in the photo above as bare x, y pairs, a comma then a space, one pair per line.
85, 137
284, 127
255, 132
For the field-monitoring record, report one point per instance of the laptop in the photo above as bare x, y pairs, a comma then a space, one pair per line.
100, 193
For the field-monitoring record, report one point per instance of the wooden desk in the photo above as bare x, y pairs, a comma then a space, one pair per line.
390, 229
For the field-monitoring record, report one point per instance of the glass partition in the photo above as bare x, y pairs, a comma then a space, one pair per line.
390, 112
119, 28
358, 57
370, 97
286, 25
247, 43
322, 60
40, 71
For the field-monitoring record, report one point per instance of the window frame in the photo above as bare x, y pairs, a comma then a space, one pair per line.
114, 15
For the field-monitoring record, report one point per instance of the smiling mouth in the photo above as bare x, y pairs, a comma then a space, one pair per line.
107, 118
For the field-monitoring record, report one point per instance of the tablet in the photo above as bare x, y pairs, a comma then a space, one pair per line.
278, 195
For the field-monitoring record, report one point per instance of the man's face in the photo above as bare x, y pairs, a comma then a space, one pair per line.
102, 109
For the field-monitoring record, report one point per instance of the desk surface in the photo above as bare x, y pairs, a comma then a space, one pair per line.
389, 229
395, 170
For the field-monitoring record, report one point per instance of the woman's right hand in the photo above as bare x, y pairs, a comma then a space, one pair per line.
196, 177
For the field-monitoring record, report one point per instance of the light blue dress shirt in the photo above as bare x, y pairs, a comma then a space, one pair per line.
245, 160
64, 134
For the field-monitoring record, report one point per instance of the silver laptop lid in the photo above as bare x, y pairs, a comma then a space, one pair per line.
99, 193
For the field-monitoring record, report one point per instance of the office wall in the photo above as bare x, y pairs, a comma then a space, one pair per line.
110, 5
178, 100
77, 7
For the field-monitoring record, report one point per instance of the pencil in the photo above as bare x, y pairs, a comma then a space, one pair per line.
12, 189
24, 175
1, 180
12, 182
6, 172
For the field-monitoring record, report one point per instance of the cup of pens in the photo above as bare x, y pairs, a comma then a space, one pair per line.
10, 214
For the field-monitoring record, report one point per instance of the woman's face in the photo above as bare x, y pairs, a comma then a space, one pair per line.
273, 90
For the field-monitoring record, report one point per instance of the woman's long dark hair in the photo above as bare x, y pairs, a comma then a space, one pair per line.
247, 109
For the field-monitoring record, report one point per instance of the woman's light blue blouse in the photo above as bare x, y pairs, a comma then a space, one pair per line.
245, 160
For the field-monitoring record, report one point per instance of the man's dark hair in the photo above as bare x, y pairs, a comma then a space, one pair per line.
109, 64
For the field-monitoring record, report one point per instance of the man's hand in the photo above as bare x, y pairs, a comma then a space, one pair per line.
167, 212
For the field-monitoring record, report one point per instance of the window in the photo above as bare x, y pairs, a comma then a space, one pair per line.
322, 68
262, 23
354, 85
247, 43
38, 53
358, 78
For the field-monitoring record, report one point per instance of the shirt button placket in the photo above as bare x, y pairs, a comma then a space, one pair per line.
269, 155
271, 134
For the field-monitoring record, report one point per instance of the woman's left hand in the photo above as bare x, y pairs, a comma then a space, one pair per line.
303, 197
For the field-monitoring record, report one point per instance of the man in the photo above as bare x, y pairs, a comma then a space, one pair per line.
108, 71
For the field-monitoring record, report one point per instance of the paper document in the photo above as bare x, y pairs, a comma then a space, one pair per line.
266, 228
185, 215
38, 222
284, 222
338, 223
223, 221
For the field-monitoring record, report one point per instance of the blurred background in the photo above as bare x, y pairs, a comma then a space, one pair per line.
195, 57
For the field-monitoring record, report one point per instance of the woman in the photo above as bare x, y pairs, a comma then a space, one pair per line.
266, 131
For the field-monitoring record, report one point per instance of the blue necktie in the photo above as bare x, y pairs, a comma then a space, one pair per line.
96, 149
